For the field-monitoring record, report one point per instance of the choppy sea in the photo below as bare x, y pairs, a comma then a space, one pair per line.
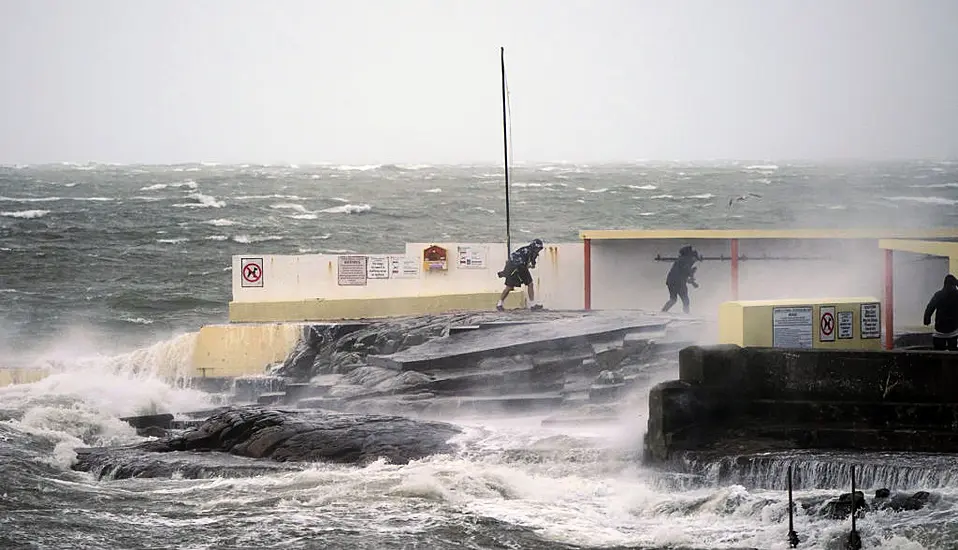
107, 271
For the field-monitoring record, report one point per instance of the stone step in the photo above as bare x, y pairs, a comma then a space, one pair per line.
271, 398
499, 381
502, 404
848, 437
249, 388
462, 328
878, 414
580, 420
302, 390
212, 384
551, 336
331, 403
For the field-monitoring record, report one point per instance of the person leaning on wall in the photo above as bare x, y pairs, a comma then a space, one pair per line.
944, 304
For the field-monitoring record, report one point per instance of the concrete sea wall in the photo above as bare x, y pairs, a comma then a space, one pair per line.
732, 400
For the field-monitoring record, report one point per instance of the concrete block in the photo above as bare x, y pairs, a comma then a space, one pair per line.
271, 398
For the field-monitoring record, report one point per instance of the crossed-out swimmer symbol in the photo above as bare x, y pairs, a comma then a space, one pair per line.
252, 273
828, 323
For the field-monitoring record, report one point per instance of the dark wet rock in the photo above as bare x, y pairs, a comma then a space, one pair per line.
152, 431
164, 421
124, 463
900, 502
609, 377
841, 507
288, 436
882, 493
512, 356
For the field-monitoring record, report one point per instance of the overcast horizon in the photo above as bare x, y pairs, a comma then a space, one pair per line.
418, 81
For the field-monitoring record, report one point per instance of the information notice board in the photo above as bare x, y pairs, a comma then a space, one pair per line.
792, 327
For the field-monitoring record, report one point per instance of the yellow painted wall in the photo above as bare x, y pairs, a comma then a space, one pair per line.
324, 310
17, 375
750, 323
558, 276
241, 349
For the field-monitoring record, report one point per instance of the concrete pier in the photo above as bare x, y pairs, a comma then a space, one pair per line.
732, 400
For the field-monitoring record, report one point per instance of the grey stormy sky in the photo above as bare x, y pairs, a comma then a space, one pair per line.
370, 81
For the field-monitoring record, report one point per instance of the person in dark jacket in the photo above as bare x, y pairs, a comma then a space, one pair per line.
680, 276
944, 304
516, 272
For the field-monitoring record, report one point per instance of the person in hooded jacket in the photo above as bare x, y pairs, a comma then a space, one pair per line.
680, 276
944, 304
516, 272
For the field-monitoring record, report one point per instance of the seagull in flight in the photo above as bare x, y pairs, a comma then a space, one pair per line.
742, 198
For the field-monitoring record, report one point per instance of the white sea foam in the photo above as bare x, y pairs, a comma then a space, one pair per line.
348, 209
357, 168
925, 200
647, 187
220, 222
216, 238
662, 197
203, 201
138, 320
188, 184
307, 216
26, 214
263, 197
177, 240
289, 206
246, 239
433, 190
86, 392
761, 168
949, 185
701, 196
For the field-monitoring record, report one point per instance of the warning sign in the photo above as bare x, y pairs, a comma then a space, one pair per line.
472, 257
351, 271
404, 267
792, 327
871, 320
378, 267
251, 272
846, 325
826, 323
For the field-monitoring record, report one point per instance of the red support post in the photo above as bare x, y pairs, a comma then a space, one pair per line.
888, 307
734, 243
587, 273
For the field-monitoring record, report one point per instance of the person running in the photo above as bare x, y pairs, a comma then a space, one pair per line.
944, 304
681, 275
516, 272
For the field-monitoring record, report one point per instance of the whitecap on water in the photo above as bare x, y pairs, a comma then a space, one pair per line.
348, 209
925, 200
25, 214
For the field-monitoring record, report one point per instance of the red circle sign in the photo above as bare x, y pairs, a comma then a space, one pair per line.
252, 273
828, 323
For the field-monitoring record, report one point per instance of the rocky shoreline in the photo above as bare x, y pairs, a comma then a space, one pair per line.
574, 364
280, 436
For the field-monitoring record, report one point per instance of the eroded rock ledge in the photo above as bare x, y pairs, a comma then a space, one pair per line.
283, 436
